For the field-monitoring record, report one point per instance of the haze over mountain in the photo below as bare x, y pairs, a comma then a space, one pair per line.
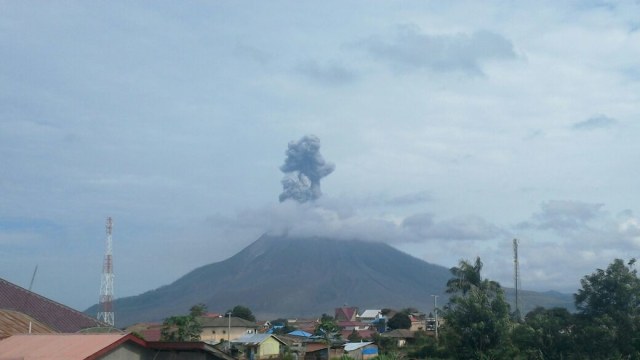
290, 276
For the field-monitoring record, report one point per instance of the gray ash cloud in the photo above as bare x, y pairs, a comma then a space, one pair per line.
304, 166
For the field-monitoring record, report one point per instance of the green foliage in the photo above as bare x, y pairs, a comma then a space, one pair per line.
183, 328
326, 317
288, 355
242, 312
427, 348
327, 324
545, 334
327, 328
354, 336
390, 356
198, 310
409, 311
343, 357
609, 312
477, 316
385, 344
399, 321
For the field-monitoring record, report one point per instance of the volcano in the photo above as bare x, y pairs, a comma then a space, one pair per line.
295, 277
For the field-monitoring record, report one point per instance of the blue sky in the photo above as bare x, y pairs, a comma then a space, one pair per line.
453, 126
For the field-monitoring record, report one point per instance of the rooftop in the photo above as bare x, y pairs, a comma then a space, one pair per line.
14, 323
54, 315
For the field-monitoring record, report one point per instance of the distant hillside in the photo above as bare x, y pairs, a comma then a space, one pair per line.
284, 276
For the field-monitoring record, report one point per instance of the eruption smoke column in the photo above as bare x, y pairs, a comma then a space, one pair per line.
304, 167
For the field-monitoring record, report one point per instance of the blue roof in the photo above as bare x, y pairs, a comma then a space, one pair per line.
300, 333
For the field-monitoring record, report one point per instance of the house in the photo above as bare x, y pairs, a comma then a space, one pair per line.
308, 325
370, 316
319, 351
55, 316
418, 323
367, 334
296, 344
364, 330
259, 346
215, 330
361, 350
346, 314
402, 336
148, 331
102, 347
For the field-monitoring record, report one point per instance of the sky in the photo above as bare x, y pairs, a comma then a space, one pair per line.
451, 128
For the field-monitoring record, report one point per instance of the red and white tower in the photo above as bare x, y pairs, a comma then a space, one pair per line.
106, 313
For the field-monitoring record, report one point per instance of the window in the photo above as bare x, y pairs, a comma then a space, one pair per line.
224, 331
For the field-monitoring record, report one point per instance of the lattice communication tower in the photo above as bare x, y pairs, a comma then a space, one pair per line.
106, 314
516, 276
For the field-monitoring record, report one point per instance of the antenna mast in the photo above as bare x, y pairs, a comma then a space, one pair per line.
516, 276
106, 314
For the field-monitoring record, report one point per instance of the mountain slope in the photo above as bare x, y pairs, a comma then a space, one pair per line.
284, 276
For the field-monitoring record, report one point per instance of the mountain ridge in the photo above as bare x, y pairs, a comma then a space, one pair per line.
283, 276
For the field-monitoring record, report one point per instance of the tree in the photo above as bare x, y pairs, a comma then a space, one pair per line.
329, 330
242, 312
399, 321
327, 327
608, 307
354, 336
477, 315
545, 334
183, 328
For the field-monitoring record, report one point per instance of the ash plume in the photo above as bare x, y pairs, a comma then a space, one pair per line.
304, 166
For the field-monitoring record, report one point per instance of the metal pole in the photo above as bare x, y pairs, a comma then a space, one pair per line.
229, 334
435, 310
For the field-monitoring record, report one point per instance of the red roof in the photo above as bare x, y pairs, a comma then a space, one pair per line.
311, 347
364, 334
89, 346
54, 315
62, 346
346, 313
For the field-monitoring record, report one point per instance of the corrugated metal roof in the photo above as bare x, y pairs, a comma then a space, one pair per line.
355, 346
14, 323
300, 333
255, 339
370, 314
56, 346
251, 339
56, 316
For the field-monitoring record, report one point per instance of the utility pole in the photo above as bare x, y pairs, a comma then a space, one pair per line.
106, 314
516, 277
229, 334
435, 310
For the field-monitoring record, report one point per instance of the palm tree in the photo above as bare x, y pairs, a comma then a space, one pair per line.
467, 276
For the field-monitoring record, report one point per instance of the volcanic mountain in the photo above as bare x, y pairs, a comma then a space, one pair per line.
287, 276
